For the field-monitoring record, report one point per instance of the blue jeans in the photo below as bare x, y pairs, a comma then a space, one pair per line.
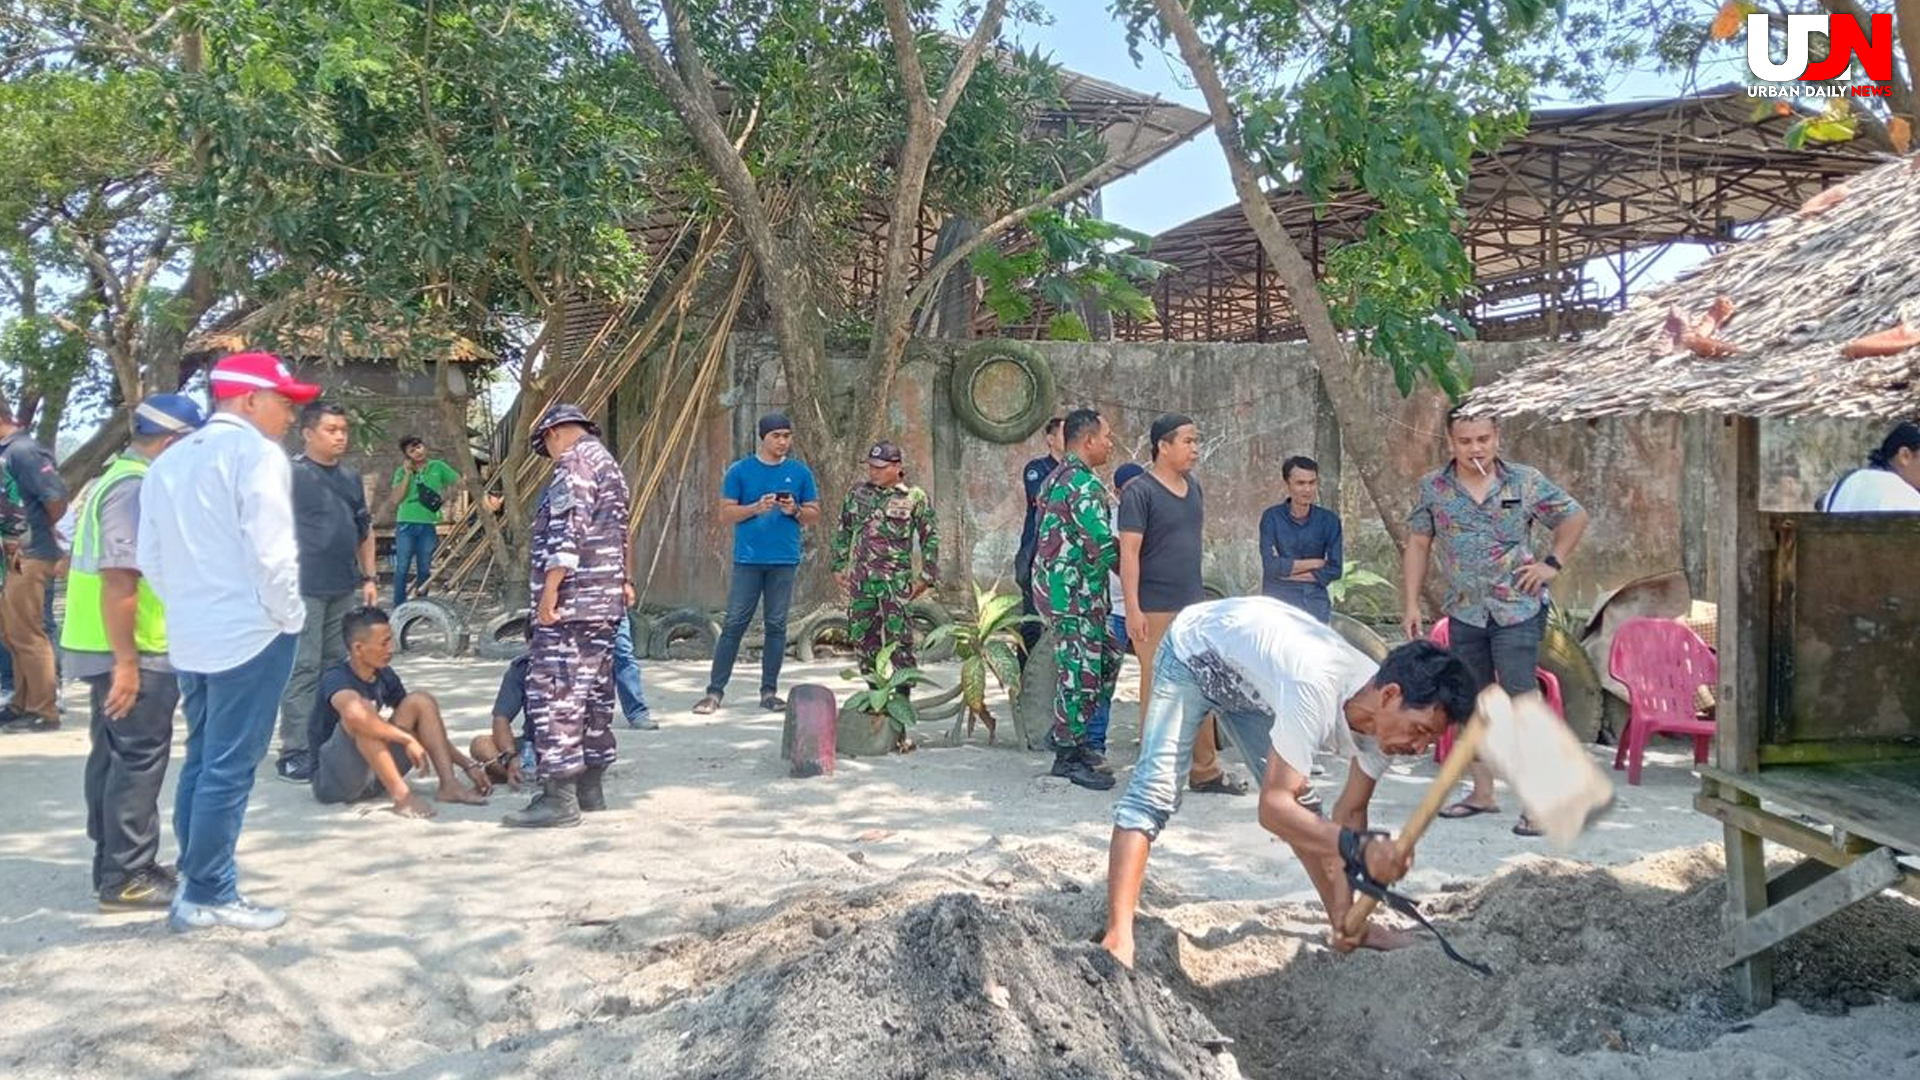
1171, 721
230, 721
413, 543
626, 672
1097, 724
751, 584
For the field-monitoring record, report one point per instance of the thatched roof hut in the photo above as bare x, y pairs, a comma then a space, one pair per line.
1806, 286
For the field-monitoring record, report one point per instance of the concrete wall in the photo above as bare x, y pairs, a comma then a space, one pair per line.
1255, 405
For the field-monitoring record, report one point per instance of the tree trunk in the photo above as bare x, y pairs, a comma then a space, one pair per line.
86, 462
1364, 432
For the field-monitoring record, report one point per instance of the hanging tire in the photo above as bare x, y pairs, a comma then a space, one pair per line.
1580, 688
503, 637
927, 614
686, 634
1002, 391
1361, 636
823, 637
430, 627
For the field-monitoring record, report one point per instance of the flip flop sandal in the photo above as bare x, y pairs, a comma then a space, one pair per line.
706, 705
1465, 809
1224, 784
1523, 827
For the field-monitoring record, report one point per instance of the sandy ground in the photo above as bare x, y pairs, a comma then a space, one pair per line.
910, 916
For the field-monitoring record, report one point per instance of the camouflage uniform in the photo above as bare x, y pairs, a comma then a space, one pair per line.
1074, 552
580, 524
877, 529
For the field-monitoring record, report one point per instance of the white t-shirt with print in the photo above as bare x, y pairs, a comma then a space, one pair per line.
1255, 653
1873, 489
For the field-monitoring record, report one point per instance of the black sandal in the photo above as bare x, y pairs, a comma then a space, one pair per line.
1224, 784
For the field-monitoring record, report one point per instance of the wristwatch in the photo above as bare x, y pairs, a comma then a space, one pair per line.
368, 579
1553, 561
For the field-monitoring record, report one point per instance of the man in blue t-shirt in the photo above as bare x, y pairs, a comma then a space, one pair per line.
766, 498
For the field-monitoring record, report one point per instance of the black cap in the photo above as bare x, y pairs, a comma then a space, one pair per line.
773, 422
884, 451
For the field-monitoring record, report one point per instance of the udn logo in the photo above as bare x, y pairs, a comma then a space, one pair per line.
1846, 41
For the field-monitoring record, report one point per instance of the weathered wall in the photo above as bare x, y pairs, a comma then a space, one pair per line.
1256, 405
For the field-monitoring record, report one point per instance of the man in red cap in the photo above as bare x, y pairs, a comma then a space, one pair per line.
216, 543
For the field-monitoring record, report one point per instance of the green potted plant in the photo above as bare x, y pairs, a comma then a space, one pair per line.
877, 720
986, 644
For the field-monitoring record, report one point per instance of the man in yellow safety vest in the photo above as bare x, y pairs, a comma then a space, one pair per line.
115, 639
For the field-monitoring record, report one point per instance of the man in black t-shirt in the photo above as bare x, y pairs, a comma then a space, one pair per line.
1031, 477
32, 487
359, 753
499, 750
335, 532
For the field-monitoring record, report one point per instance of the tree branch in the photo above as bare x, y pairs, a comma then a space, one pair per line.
969, 58
1902, 90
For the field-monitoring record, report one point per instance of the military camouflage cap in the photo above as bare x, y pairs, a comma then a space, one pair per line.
562, 413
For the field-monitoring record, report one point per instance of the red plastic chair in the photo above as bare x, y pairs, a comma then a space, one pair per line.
1549, 689
1663, 665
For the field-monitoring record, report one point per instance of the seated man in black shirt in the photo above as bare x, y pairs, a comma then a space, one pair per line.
359, 753
498, 750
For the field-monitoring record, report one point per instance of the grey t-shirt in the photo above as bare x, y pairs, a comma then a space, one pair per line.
1169, 528
33, 481
119, 532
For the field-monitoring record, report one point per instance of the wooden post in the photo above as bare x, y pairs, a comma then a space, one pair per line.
1699, 446
1743, 649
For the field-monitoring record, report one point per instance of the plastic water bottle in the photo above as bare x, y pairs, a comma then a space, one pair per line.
527, 764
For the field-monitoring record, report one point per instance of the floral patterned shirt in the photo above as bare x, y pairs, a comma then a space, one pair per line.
1483, 545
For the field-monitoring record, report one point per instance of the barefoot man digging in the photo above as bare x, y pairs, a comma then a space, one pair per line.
1284, 685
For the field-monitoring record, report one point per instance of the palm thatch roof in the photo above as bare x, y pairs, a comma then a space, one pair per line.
330, 320
1807, 285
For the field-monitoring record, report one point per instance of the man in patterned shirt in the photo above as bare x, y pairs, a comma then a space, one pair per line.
578, 583
873, 557
1482, 510
1074, 553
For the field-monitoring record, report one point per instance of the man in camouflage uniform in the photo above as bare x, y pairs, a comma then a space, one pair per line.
580, 593
1074, 553
873, 557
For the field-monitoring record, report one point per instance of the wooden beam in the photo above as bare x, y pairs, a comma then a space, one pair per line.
1764, 929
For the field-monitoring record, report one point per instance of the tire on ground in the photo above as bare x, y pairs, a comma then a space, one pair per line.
685, 634
503, 637
1215, 587
1580, 688
1033, 710
927, 613
807, 640
429, 626
1002, 390
1361, 636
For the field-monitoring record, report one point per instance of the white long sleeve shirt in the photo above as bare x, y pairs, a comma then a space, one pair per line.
217, 545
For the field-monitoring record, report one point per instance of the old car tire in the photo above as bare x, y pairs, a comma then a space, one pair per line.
503, 637
806, 641
927, 614
1002, 390
429, 626
1361, 636
686, 624
1215, 587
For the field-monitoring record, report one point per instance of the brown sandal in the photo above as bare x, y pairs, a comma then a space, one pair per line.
706, 705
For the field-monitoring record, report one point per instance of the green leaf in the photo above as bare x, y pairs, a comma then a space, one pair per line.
902, 713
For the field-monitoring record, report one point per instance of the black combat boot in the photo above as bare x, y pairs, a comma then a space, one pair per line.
556, 807
592, 797
1068, 761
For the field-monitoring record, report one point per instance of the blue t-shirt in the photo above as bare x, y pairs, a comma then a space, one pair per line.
771, 538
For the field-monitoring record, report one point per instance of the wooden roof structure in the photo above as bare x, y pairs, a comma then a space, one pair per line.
1807, 285
1617, 181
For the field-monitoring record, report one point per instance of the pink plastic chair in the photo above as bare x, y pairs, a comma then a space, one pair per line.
1549, 689
1663, 665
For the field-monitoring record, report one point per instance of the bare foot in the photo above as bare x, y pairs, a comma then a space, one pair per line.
413, 806
458, 793
1386, 938
1121, 948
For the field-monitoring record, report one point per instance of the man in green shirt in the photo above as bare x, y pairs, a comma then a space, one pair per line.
420, 489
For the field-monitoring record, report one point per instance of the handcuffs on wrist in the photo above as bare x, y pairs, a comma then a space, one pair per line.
1353, 857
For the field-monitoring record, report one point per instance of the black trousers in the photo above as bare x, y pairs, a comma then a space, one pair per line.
125, 770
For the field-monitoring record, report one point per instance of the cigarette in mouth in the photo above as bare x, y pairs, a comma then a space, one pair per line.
1477, 465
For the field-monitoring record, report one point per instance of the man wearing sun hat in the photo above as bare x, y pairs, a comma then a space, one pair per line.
115, 640
217, 546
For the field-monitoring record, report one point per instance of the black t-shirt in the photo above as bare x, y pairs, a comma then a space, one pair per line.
386, 690
330, 518
33, 481
1169, 528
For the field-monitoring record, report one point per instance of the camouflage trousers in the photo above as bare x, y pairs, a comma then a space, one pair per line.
876, 615
570, 696
1087, 661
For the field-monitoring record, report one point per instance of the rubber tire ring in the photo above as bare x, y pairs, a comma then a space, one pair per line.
455, 635
803, 644
927, 614
1040, 404
705, 631
503, 637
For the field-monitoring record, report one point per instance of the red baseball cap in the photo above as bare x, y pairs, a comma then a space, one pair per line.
243, 373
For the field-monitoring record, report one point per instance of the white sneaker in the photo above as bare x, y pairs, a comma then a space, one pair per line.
242, 914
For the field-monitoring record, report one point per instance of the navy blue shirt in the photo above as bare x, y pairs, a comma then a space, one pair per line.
1031, 477
771, 538
1284, 539
385, 691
